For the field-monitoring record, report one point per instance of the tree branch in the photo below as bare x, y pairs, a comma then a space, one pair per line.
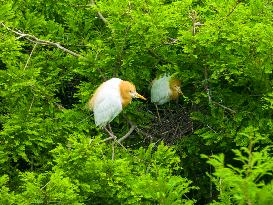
127, 134
222, 106
193, 17
207, 84
36, 40
92, 3
209, 96
30, 56
233, 9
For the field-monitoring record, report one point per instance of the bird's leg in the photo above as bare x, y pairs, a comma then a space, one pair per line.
110, 132
157, 112
112, 137
109, 126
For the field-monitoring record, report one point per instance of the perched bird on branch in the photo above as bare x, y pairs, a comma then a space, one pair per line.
165, 89
110, 98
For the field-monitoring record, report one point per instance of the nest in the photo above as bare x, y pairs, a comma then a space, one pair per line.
169, 124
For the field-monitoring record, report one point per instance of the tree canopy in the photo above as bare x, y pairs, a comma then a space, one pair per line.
212, 146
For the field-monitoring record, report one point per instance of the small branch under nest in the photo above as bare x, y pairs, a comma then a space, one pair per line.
36, 40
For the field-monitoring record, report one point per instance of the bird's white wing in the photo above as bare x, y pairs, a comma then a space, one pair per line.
160, 90
107, 106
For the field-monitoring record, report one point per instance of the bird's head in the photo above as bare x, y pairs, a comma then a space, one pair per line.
175, 86
128, 91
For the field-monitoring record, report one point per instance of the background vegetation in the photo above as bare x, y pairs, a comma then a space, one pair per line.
53, 55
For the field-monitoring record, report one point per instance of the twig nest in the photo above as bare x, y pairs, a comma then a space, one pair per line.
173, 124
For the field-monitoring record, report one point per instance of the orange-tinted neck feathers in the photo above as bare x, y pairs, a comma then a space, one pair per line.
175, 88
125, 89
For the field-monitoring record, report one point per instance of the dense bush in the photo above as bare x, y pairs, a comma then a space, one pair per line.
54, 54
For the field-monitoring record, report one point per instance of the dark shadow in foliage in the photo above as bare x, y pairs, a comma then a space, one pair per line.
68, 89
189, 150
21, 165
26, 47
3, 66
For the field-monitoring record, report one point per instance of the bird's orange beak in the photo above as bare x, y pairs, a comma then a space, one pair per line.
140, 96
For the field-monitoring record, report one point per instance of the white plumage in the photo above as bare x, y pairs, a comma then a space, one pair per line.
160, 90
107, 102
109, 99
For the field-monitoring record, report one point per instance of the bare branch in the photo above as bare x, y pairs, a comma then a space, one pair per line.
208, 93
36, 40
31, 103
45, 185
222, 106
171, 41
114, 138
127, 134
193, 17
207, 84
233, 9
30, 56
92, 3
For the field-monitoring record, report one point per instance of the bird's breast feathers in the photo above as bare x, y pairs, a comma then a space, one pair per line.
160, 90
106, 102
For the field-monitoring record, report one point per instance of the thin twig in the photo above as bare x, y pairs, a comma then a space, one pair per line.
207, 84
92, 3
226, 108
193, 17
45, 185
159, 58
31, 104
171, 41
233, 9
127, 134
30, 55
36, 40
208, 93
114, 138
107, 139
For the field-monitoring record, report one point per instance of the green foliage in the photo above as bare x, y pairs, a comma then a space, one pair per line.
6, 197
144, 176
50, 149
246, 183
58, 189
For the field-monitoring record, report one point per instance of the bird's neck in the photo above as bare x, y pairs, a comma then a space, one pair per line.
174, 91
125, 96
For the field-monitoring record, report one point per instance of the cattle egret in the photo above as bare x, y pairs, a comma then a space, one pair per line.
110, 98
165, 89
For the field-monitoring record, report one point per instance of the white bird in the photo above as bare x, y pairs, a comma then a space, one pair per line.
165, 89
110, 98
